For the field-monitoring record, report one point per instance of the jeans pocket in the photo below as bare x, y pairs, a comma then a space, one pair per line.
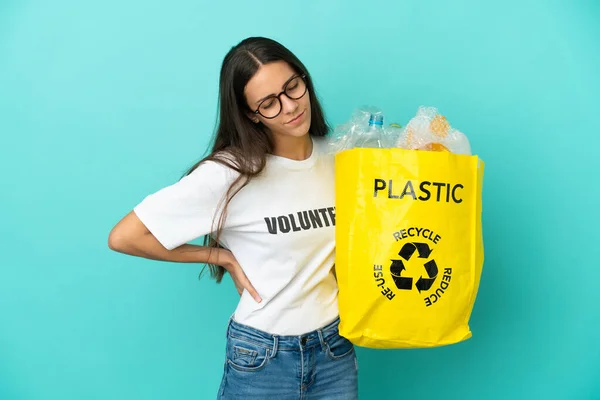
245, 355
338, 347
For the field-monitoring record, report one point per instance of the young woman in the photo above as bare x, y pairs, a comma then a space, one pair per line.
264, 202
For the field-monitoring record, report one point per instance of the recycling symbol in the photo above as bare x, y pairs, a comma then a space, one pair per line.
424, 283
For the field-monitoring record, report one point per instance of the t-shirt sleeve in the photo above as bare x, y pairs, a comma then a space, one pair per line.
186, 210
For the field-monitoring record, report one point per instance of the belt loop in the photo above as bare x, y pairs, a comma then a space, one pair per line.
228, 326
322, 339
275, 345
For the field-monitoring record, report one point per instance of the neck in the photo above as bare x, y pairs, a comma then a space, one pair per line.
295, 148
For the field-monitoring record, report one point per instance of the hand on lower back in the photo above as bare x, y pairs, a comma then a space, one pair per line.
240, 279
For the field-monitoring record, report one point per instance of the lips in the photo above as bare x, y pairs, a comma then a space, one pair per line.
297, 118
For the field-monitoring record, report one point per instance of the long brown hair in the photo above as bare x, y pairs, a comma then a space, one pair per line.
239, 143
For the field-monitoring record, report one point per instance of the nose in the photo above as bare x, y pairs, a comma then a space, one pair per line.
288, 105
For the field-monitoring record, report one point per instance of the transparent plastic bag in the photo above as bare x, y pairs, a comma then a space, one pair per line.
365, 129
429, 130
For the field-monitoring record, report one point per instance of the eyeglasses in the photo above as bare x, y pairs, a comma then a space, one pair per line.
271, 106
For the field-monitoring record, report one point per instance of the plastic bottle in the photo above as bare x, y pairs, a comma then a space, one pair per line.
374, 136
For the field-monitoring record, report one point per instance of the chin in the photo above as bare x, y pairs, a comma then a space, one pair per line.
295, 131
300, 130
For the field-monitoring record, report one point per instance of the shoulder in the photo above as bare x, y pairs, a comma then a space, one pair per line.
319, 142
322, 149
216, 172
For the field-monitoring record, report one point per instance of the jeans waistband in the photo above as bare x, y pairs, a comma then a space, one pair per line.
283, 342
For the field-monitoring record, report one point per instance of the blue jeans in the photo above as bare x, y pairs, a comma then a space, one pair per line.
317, 365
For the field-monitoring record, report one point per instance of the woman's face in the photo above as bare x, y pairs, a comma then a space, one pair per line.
291, 114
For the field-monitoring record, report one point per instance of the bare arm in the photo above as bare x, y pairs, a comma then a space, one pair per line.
130, 236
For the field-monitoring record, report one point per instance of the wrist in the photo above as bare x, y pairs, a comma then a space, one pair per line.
222, 257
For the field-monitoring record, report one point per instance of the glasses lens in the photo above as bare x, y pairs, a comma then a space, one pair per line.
296, 88
270, 107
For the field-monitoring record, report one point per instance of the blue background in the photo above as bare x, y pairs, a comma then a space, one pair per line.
104, 102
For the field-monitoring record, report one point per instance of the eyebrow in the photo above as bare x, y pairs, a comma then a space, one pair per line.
273, 94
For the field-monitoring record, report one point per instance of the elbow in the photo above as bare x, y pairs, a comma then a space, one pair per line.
117, 241
126, 235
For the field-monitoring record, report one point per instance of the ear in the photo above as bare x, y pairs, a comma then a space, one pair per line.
253, 117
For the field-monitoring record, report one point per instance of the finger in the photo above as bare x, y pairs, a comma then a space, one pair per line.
255, 295
244, 282
252, 292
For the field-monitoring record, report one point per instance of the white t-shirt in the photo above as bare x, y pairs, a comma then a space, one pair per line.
280, 228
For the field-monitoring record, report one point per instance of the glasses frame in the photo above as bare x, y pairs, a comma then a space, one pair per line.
303, 77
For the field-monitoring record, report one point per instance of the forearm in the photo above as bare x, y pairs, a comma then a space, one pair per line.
147, 246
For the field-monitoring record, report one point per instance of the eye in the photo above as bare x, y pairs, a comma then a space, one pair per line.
268, 104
